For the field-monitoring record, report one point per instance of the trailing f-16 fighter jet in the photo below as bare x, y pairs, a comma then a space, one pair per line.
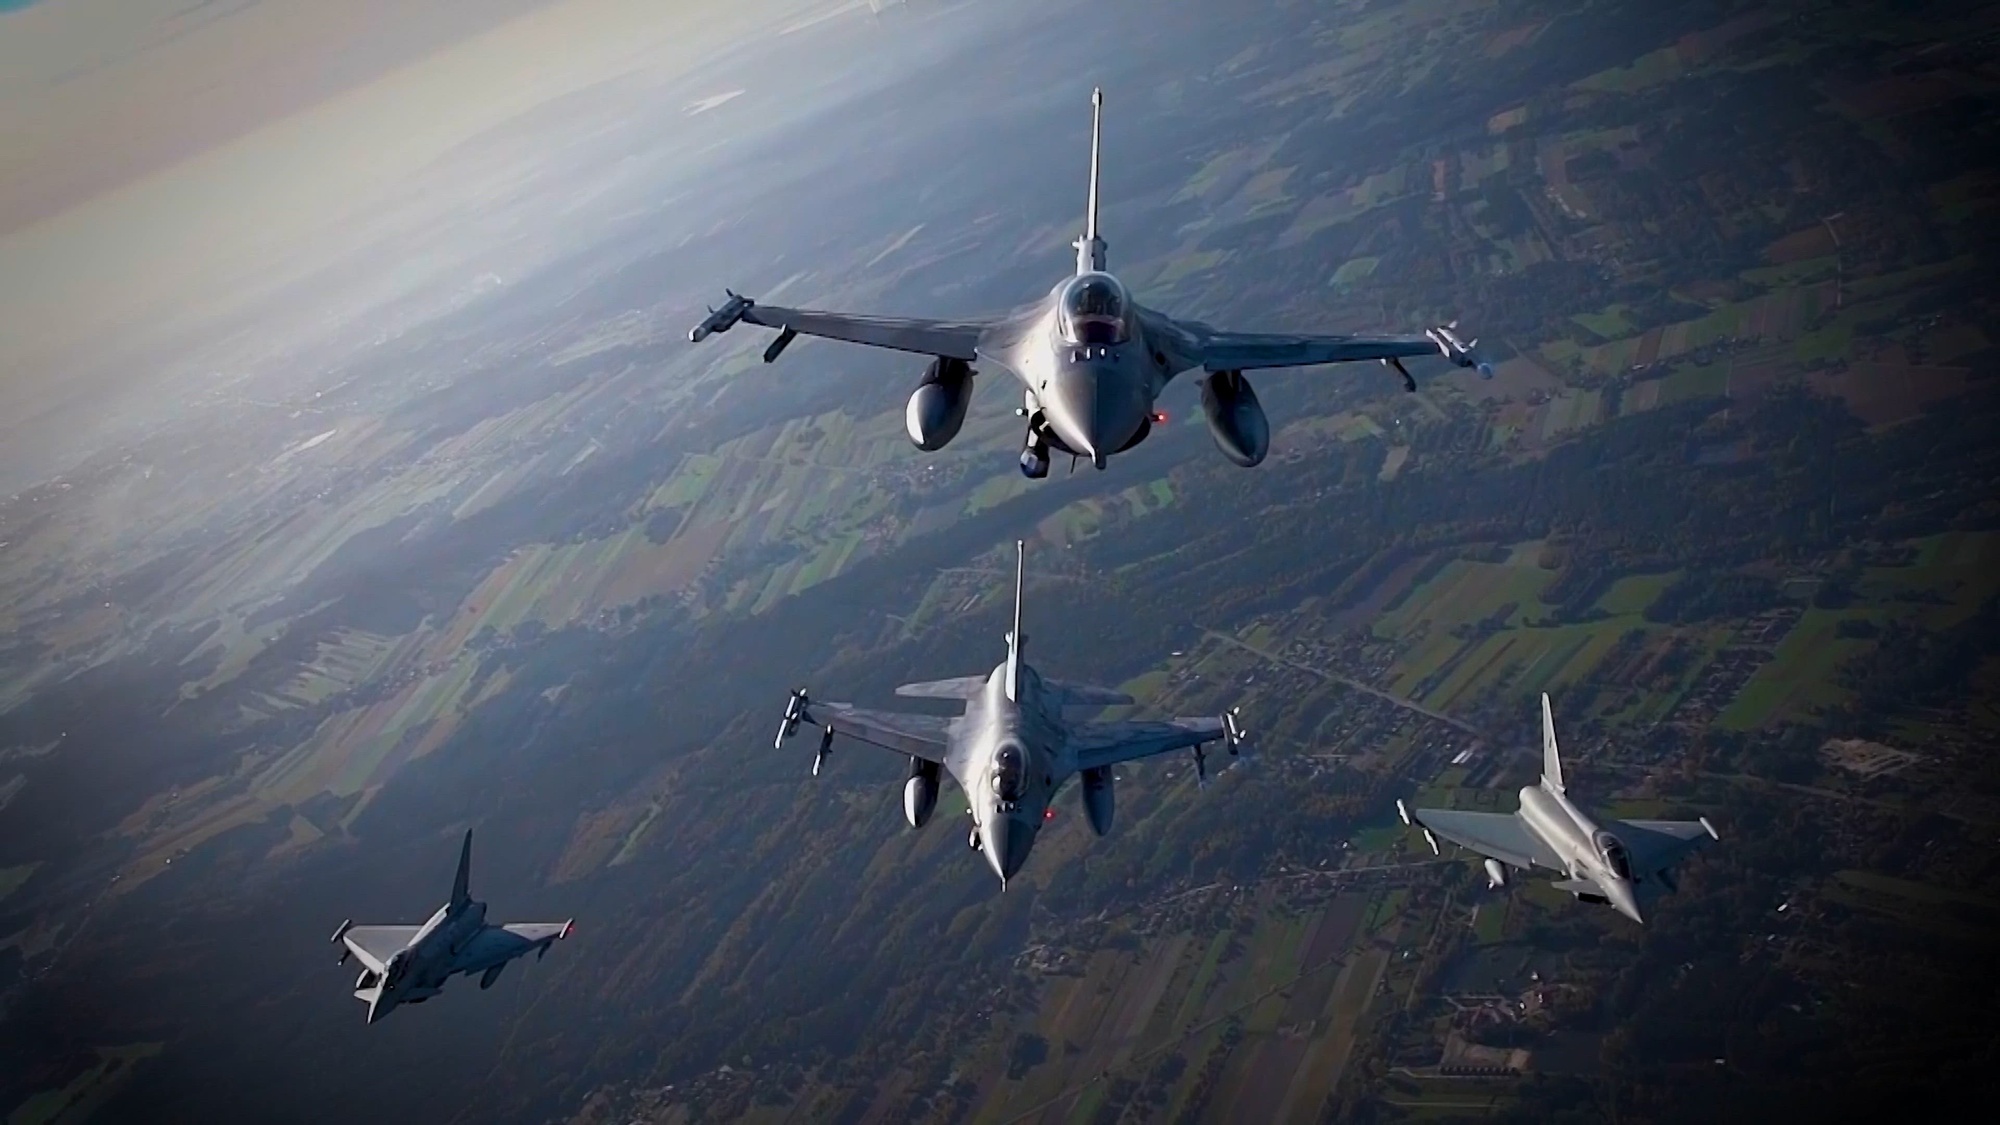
1613, 861
409, 964
1092, 360
1012, 749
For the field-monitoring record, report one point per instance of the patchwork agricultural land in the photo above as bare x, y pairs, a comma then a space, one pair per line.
1728, 499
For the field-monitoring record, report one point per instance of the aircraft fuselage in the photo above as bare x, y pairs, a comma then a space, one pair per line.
1010, 758
1585, 849
1089, 370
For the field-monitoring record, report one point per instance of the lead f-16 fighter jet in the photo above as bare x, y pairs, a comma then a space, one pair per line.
409, 964
1012, 749
1091, 359
1610, 861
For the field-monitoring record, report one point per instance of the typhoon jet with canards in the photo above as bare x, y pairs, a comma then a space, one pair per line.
1013, 747
1619, 863
1091, 360
409, 964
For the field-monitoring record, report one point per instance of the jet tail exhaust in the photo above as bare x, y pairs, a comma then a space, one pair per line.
461, 887
1015, 640
1090, 248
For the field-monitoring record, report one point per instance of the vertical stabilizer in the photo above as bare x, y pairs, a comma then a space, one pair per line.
1090, 248
461, 887
1014, 638
1552, 767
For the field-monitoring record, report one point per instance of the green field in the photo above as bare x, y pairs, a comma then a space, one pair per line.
12, 878
1629, 597
86, 1092
1609, 323
1801, 674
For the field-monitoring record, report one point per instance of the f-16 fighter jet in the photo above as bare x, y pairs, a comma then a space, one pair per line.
1012, 748
1610, 861
409, 964
1092, 360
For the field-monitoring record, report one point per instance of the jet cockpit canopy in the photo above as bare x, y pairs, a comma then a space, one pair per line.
1010, 772
1092, 310
1614, 855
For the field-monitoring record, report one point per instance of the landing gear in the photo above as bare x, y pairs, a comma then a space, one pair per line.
1035, 457
972, 840
1035, 450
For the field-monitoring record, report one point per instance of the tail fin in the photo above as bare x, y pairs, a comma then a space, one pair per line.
1015, 641
1552, 767
1090, 248
461, 887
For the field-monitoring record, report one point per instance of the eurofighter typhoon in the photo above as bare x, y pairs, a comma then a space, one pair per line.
1012, 749
1618, 862
1091, 360
409, 964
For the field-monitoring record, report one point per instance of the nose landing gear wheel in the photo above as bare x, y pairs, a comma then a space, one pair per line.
1035, 459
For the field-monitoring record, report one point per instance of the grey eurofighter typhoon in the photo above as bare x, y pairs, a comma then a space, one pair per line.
1613, 861
409, 964
1092, 360
1012, 749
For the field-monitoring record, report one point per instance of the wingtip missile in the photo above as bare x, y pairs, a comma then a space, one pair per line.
722, 319
1403, 811
1708, 828
795, 710
1433, 842
345, 925
825, 748
1457, 348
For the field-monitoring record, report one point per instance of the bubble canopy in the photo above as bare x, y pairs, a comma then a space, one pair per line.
1092, 310
1009, 773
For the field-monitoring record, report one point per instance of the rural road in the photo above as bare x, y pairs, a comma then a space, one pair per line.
1350, 683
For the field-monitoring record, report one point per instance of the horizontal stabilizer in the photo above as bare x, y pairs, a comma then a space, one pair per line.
1087, 695
959, 687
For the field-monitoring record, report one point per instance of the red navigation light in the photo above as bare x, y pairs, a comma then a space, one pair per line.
1159, 417
1048, 814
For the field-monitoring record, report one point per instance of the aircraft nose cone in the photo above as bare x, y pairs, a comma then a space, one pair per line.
1005, 843
1094, 412
1114, 420
1071, 409
1624, 901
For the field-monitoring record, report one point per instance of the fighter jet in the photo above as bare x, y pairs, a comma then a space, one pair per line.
1092, 361
409, 964
1012, 749
1615, 861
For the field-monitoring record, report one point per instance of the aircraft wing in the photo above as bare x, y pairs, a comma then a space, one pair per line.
1086, 695
1104, 744
1501, 836
953, 338
956, 339
1246, 351
1198, 345
374, 945
919, 736
1657, 845
496, 943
